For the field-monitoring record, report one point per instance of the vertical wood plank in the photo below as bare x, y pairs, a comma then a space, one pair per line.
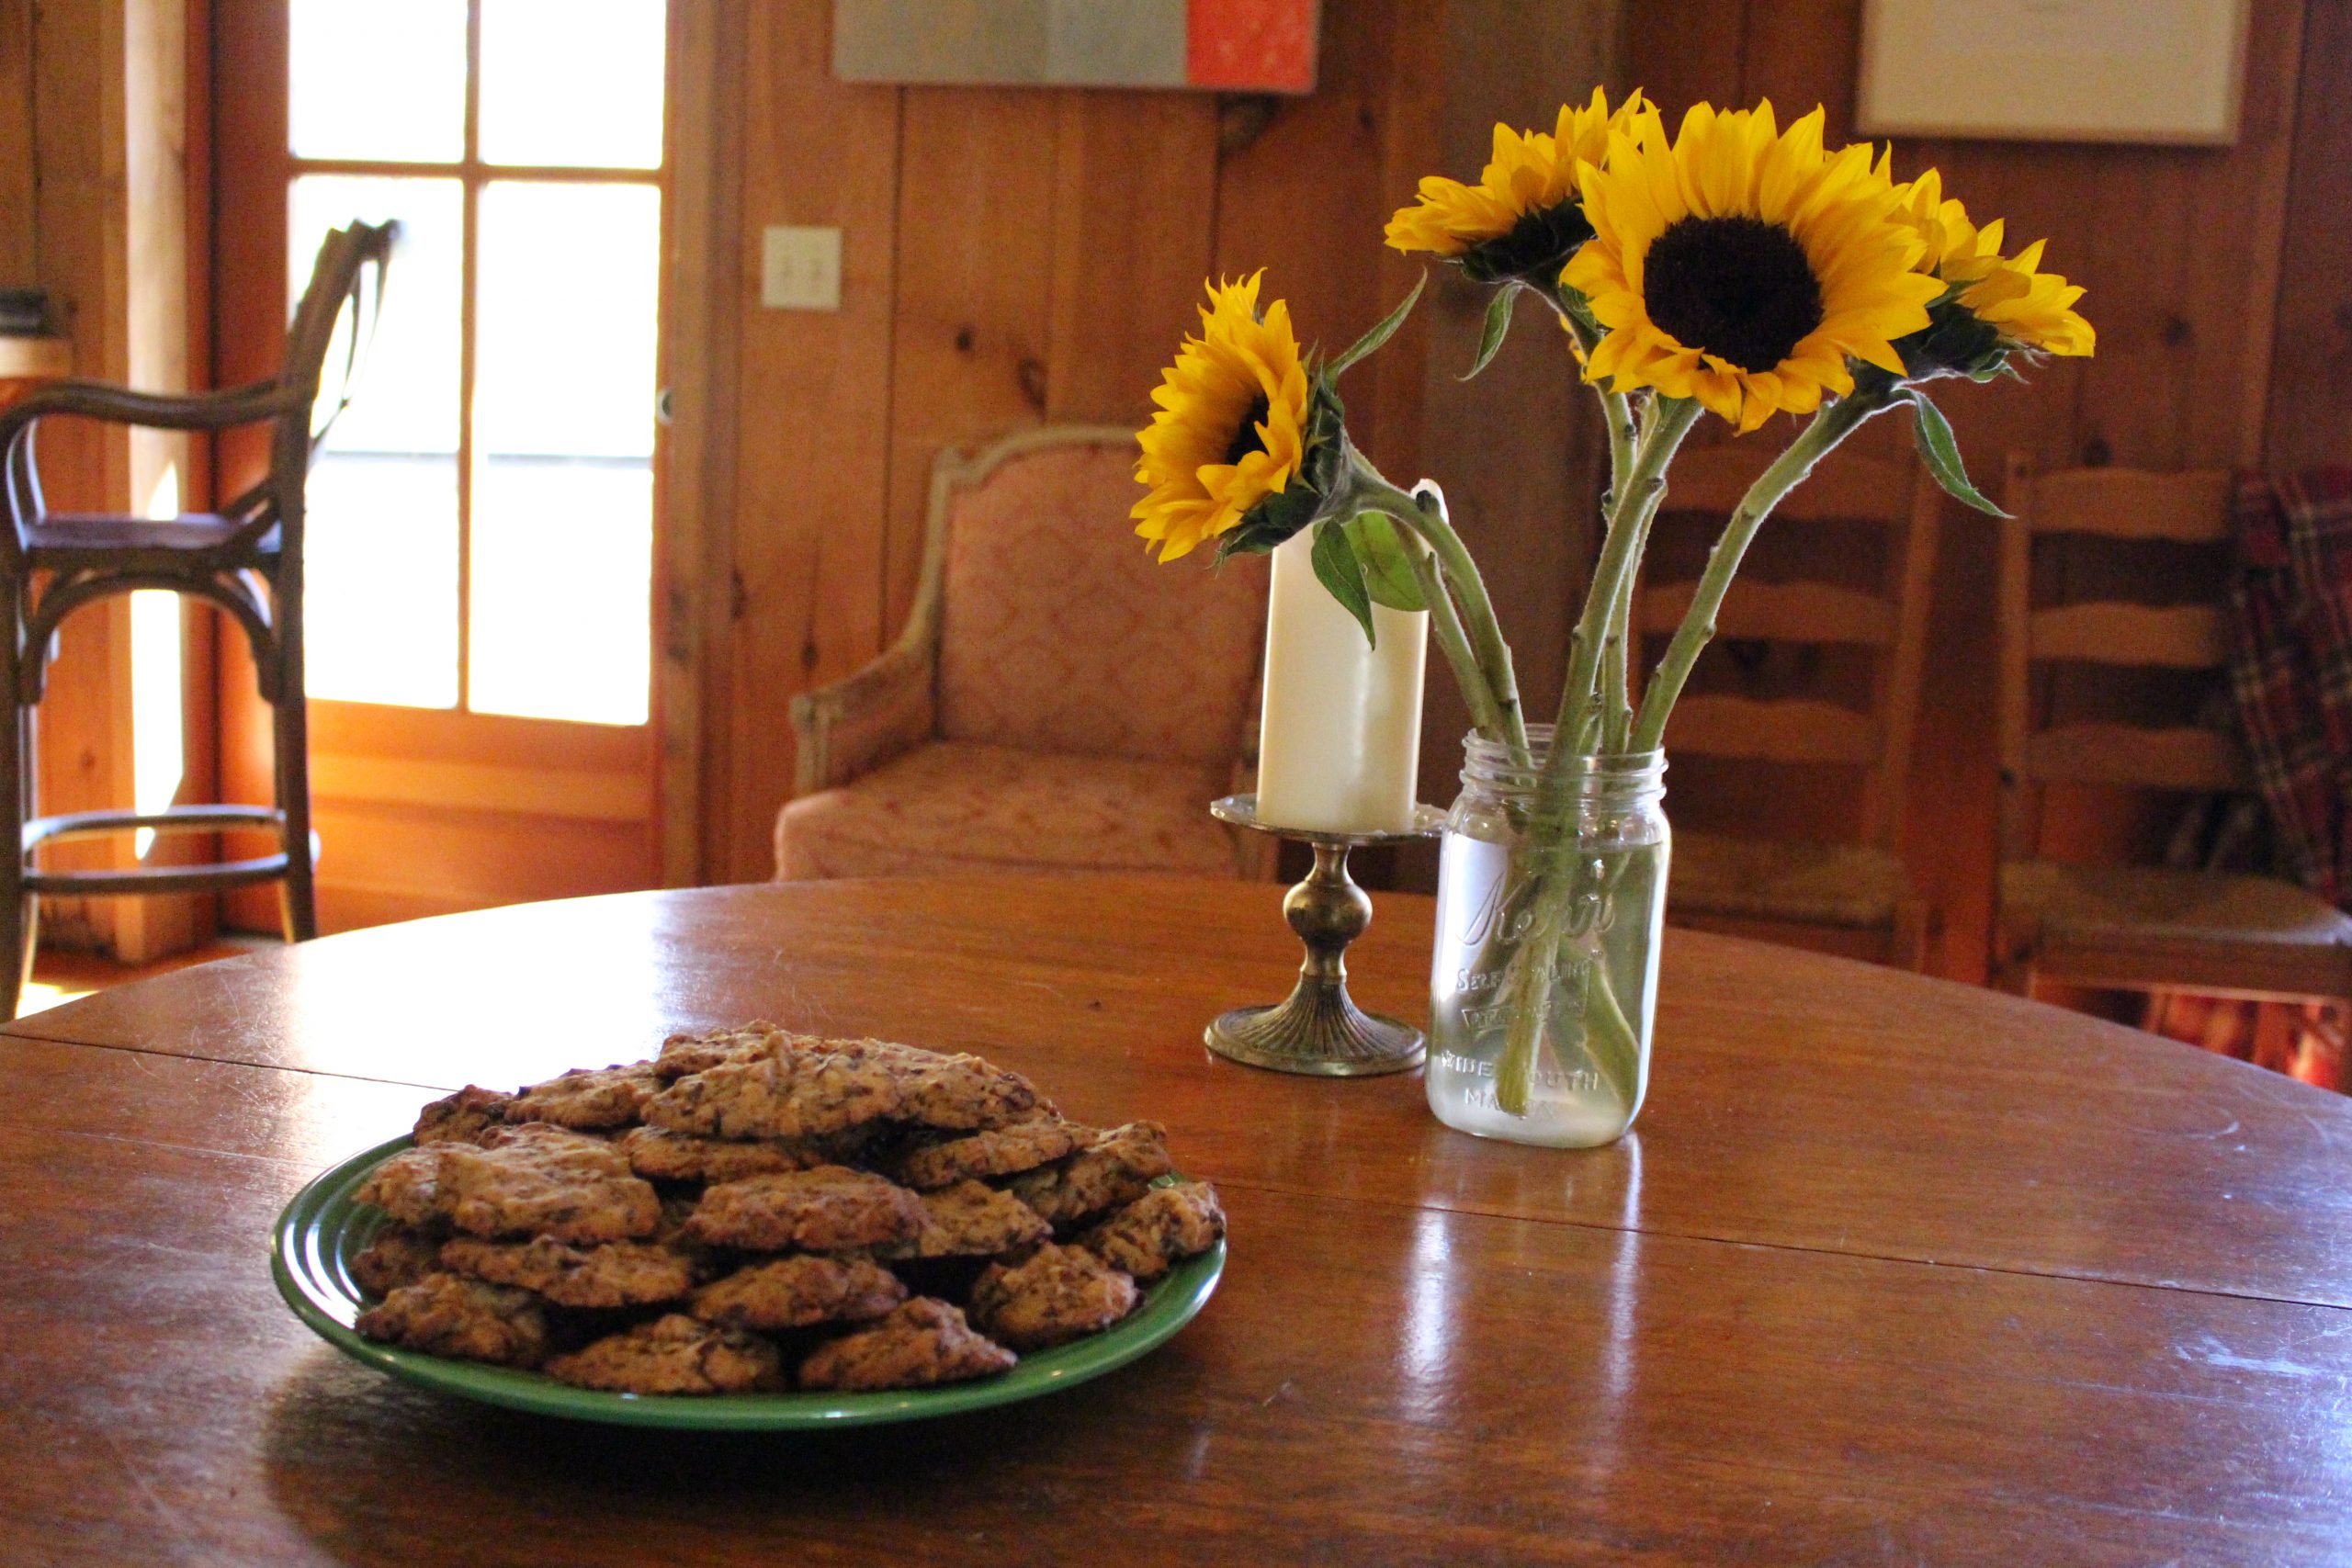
1685, 52
1134, 205
1800, 53
16, 198
2310, 376
970, 329
2310, 400
1306, 197
813, 422
1413, 113
78, 233
701, 279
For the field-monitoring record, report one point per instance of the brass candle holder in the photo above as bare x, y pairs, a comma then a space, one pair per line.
1318, 1029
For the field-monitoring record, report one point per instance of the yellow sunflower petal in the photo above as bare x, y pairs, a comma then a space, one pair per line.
1736, 175
1230, 429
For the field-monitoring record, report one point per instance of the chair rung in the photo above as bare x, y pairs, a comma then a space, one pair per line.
158, 878
71, 825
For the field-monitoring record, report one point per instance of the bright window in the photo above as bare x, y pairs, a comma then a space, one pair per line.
480, 524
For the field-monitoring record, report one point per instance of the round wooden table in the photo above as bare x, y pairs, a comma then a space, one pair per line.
1892, 1270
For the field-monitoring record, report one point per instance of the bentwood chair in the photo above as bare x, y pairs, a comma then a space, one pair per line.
246, 558
2133, 927
1056, 701
1849, 893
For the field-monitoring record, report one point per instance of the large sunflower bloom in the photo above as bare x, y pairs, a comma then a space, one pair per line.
1742, 266
1232, 421
1525, 214
1993, 303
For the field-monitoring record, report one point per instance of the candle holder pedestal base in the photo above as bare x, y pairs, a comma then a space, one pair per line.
1318, 1029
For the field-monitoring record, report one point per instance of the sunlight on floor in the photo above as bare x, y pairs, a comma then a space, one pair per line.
40, 996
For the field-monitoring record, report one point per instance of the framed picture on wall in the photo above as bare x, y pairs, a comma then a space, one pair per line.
2167, 71
1255, 46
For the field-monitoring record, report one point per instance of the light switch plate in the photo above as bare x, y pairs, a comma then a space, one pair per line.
800, 269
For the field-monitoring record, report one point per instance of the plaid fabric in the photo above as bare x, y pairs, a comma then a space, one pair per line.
2291, 664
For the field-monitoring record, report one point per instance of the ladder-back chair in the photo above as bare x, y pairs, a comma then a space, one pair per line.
246, 558
1847, 892
2133, 926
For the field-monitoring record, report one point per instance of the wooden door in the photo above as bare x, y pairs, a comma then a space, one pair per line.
481, 548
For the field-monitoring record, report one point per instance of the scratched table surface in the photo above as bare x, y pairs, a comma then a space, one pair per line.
1891, 1270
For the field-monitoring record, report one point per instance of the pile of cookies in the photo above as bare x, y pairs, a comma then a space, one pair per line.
754, 1211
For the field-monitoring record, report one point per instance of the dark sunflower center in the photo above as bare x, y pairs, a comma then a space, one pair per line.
1537, 247
1740, 289
1245, 440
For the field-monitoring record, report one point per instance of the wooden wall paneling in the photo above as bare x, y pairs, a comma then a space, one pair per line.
977, 173
248, 45
696, 473
78, 248
2310, 404
1800, 53
1412, 112
1685, 52
812, 418
1305, 196
2183, 248
17, 268
1134, 207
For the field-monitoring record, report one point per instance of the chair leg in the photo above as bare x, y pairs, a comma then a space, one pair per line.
298, 894
29, 905
1914, 926
18, 910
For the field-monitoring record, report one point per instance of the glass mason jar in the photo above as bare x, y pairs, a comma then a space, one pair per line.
1544, 978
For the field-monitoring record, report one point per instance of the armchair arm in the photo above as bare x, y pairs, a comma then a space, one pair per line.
858, 723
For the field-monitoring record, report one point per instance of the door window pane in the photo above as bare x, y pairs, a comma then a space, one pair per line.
573, 84
563, 425
378, 82
380, 545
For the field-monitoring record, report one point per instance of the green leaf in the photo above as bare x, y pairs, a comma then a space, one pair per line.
1933, 434
1387, 572
1498, 327
1379, 335
1337, 569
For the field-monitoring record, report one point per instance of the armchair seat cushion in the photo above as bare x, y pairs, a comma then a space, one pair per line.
960, 806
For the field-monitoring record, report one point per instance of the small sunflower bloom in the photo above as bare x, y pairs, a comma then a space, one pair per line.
1525, 216
1992, 305
1743, 265
1231, 432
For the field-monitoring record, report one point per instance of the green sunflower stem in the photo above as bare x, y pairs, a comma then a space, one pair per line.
1445, 628
1487, 682
1829, 427
1645, 486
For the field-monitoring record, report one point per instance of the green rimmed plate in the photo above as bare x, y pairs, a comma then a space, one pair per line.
324, 1226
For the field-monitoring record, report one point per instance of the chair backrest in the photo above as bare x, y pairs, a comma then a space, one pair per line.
2134, 506
1891, 622
339, 309
1057, 630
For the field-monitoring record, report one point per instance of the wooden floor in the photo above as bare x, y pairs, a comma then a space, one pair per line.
62, 976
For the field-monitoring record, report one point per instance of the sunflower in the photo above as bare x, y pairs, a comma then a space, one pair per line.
1992, 305
1231, 429
1525, 215
1742, 266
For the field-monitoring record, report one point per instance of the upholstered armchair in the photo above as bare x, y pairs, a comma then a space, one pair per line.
1056, 701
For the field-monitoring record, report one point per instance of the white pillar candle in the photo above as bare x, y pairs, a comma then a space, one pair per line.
1339, 740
